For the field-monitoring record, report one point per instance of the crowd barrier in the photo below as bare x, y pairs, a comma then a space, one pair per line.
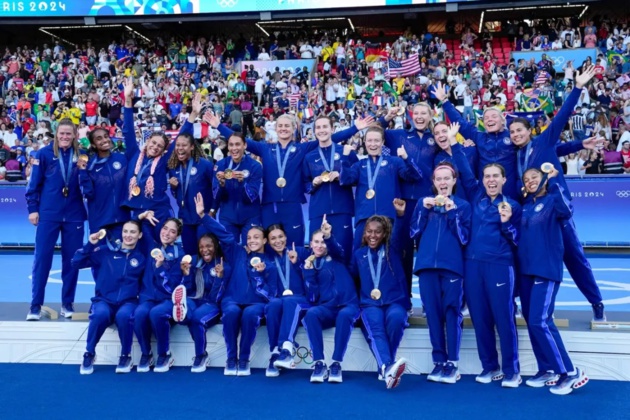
602, 207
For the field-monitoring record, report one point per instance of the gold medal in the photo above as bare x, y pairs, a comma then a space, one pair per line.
186, 259
505, 206
155, 253
325, 176
401, 111
281, 182
375, 294
546, 167
228, 174
440, 200
255, 261
370, 194
311, 259
65, 191
84, 158
101, 234
287, 292
135, 191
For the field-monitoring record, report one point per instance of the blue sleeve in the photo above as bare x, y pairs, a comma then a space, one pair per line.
251, 186
353, 269
551, 135
398, 232
225, 238
86, 184
344, 135
219, 194
511, 228
566, 148
467, 177
35, 184
419, 220
187, 128
561, 205
459, 221
218, 287
129, 135
255, 147
335, 250
309, 188
409, 171
466, 129
349, 174
85, 257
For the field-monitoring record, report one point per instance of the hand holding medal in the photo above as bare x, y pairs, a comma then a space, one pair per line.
505, 211
82, 161
257, 264
185, 264
308, 264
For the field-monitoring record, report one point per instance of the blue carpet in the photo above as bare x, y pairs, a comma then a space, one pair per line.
59, 392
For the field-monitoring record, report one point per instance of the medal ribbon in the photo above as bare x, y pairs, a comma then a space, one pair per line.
372, 179
285, 276
376, 275
66, 174
181, 180
282, 166
329, 167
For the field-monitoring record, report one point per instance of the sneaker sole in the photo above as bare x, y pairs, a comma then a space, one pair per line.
450, 381
433, 378
86, 372
165, 368
124, 370
583, 380
229, 372
318, 380
283, 365
486, 381
179, 304
272, 374
397, 375
200, 369
511, 384
245, 373
33, 317
539, 384
334, 380
143, 370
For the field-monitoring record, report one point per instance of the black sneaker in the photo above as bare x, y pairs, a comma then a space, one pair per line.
87, 367
598, 312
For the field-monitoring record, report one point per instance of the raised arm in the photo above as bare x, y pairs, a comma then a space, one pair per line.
128, 129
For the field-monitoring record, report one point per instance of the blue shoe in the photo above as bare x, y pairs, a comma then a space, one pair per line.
285, 360
450, 374
164, 363
320, 372
567, 383
542, 378
35, 313
335, 375
394, 372
199, 363
511, 381
125, 364
67, 310
272, 371
243, 368
230, 368
436, 373
146, 361
87, 367
487, 376
598, 312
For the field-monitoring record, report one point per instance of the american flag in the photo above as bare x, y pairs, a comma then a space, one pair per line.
294, 98
406, 67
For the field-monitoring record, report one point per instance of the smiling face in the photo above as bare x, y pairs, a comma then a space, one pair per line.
284, 128
236, 148
183, 149
65, 136
374, 143
206, 249
444, 181
493, 181
421, 117
374, 234
531, 180
256, 240
519, 134
440, 133
155, 146
323, 130
318, 246
493, 121
101, 141
278, 240
130, 235
168, 233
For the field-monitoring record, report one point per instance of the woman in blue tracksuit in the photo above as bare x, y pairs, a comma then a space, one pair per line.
55, 205
285, 310
489, 269
190, 172
147, 171
321, 170
120, 267
247, 291
540, 254
102, 180
333, 293
283, 188
377, 179
441, 223
383, 296
237, 196
209, 272
163, 274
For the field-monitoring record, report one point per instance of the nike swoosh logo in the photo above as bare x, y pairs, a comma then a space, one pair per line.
454, 280
409, 137
79, 227
538, 282
500, 284
295, 227
317, 160
99, 169
55, 158
346, 226
117, 258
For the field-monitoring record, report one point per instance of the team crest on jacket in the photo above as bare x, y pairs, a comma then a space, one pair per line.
384, 163
431, 141
193, 171
539, 207
337, 157
245, 173
292, 149
507, 141
117, 165
213, 272
328, 258
133, 262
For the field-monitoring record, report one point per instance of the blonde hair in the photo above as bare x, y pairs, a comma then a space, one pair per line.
149, 187
75, 143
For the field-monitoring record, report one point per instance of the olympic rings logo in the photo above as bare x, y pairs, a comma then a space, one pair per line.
304, 355
227, 3
623, 193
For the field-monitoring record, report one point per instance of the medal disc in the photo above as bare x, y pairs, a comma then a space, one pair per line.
102, 233
440, 200
505, 206
370, 194
401, 111
325, 176
255, 261
281, 182
311, 258
135, 191
228, 174
375, 294
186, 259
155, 253
84, 158
287, 292
546, 167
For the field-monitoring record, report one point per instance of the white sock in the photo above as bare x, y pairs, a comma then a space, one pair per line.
573, 372
454, 363
287, 345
